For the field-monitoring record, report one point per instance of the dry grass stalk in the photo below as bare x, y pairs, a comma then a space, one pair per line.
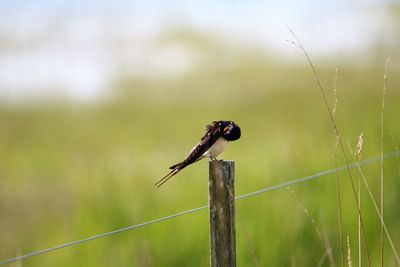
382, 144
327, 246
335, 145
249, 243
349, 262
358, 151
386, 231
317, 80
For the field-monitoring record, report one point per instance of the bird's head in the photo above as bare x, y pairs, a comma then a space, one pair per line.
230, 131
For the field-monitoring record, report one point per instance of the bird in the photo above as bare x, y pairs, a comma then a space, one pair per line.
212, 144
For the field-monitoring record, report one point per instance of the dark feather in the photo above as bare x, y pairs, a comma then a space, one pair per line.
211, 135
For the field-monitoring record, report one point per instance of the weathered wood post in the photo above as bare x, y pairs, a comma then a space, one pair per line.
222, 213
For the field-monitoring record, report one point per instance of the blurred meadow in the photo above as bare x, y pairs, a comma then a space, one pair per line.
89, 122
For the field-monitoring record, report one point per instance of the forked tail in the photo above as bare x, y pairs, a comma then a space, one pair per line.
175, 169
167, 177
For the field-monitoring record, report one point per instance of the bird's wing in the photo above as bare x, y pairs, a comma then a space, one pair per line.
209, 138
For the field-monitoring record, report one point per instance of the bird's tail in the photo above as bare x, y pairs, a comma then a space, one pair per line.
174, 166
185, 163
175, 169
168, 176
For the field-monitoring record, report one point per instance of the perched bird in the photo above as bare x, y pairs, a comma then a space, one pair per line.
214, 141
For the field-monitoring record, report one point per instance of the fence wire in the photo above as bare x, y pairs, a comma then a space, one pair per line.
292, 182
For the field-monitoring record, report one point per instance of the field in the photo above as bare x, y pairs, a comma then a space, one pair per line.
70, 171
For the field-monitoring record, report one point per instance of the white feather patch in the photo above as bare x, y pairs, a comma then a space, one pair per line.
217, 148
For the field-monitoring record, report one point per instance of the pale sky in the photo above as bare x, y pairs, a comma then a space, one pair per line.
63, 47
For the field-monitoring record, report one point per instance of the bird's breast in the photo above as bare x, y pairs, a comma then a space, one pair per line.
217, 148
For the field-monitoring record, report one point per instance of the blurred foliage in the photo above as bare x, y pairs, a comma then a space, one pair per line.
69, 171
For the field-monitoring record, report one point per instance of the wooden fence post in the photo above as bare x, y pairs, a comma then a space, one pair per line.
222, 213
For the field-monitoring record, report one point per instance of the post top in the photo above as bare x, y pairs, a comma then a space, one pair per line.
223, 160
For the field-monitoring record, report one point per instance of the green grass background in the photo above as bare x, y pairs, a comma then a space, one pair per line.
69, 171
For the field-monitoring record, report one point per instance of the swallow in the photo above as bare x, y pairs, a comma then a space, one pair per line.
213, 143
